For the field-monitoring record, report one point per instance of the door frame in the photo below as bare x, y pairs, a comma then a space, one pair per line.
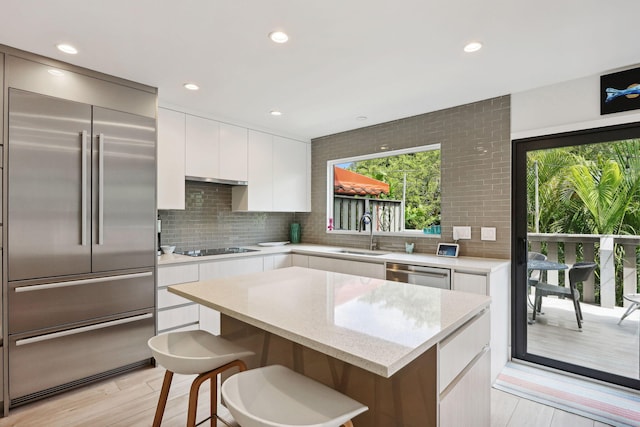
519, 248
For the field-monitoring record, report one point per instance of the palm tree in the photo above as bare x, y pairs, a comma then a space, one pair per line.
603, 194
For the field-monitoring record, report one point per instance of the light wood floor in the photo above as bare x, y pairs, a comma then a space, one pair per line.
603, 344
129, 400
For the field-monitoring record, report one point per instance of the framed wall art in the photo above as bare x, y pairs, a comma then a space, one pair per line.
620, 91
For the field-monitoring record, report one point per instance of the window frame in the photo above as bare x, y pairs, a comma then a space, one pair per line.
330, 188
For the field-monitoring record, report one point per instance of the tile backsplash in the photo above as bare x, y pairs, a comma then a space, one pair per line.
208, 222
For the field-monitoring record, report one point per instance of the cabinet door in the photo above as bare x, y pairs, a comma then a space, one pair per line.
298, 260
258, 194
470, 282
233, 152
290, 175
359, 268
209, 318
171, 159
468, 401
202, 147
273, 262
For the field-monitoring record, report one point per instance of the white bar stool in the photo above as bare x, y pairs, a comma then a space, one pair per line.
194, 352
275, 396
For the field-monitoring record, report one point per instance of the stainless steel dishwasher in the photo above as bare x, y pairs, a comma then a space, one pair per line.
419, 275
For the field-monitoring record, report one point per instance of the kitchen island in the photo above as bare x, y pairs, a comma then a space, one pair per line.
417, 356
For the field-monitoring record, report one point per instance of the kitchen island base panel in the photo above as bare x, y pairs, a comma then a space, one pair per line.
407, 399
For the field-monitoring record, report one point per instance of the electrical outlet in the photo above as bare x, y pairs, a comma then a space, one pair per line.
460, 233
488, 233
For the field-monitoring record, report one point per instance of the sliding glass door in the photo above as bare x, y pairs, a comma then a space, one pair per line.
576, 240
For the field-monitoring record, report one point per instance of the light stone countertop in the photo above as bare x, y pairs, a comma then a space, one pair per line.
469, 264
377, 325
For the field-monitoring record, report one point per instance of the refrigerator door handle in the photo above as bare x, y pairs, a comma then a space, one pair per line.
83, 221
47, 337
101, 189
81, 282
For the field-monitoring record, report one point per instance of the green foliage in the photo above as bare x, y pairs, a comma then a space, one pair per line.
592, 189
422, 173
588, 189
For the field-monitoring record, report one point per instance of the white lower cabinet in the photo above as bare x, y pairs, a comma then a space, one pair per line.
496, 285
468, 401
209, 318
464, 375
359, 268
175, 312
273, 262
298, 260
474, 283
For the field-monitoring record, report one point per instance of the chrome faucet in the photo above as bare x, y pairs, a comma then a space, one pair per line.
363, 223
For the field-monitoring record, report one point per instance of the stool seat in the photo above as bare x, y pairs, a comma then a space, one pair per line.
194, 352
276, 396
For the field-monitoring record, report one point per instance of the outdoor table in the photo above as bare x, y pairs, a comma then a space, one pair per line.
540, 264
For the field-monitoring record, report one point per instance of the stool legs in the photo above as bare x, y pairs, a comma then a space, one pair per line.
193, 393
162, 401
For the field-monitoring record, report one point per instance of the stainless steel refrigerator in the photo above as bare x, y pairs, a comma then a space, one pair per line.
81, 242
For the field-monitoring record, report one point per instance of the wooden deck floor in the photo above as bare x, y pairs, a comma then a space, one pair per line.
603, 344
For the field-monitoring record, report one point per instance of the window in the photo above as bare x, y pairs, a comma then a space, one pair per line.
400, 190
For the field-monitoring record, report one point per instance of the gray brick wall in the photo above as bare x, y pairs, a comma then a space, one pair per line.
208, 222
476, 174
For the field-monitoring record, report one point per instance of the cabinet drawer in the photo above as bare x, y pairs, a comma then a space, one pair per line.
177, 274
41, 362
167, 299
469, 282
468, 401
176, 317
458, 350
39, 305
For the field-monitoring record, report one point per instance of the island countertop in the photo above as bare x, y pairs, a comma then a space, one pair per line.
377, 325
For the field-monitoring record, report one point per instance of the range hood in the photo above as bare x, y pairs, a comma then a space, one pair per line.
215, 180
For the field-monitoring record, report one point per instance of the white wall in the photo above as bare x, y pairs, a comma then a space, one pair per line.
562, 107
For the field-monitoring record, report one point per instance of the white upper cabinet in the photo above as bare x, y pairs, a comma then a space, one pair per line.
233, 153
171, 159
202, 147
291, 172
258, 194
277, 169
278, 176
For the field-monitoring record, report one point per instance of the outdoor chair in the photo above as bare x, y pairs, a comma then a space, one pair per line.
534, 276
578, 273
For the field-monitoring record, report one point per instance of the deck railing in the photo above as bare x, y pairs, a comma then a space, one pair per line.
613, 280
388, 215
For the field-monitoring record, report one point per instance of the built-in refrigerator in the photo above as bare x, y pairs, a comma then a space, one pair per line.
80, 242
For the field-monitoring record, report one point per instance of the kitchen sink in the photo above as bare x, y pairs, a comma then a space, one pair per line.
359, 252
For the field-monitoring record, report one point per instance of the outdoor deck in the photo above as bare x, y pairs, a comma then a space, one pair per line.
602, 344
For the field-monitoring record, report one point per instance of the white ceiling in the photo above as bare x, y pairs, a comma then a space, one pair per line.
346, 58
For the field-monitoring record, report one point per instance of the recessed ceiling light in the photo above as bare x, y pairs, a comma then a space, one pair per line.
361, 118
67, 48
278, 37
275, 113
191, 86
473, 47
55, 72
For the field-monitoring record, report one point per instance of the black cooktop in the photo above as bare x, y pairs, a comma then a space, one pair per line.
216, 251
